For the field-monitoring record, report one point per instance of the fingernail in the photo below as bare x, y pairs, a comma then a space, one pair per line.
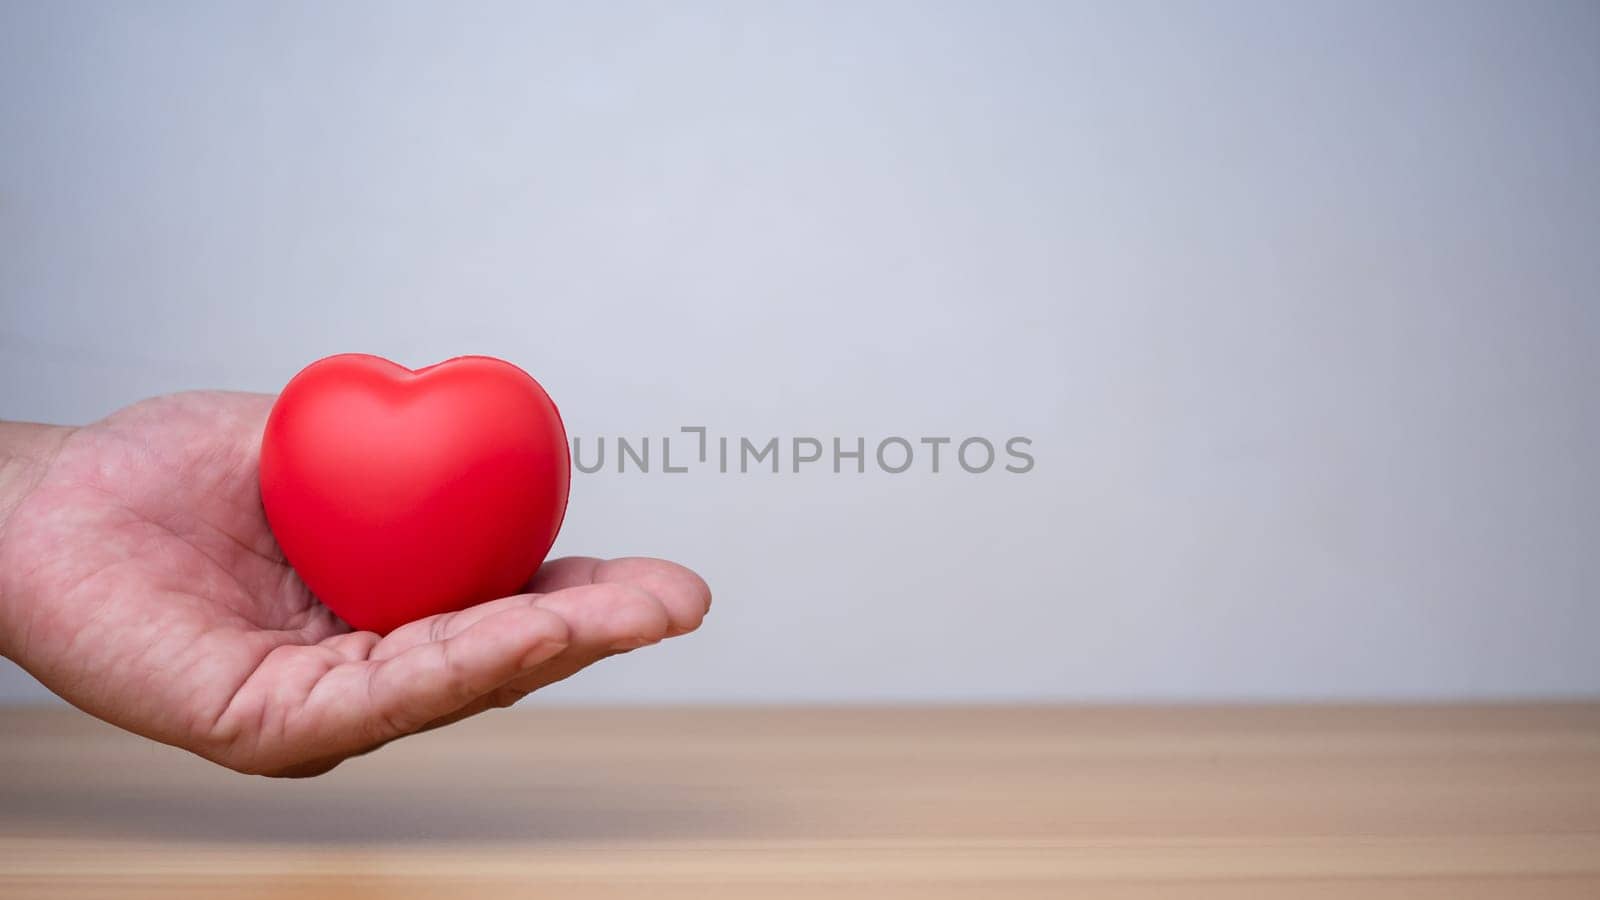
632, 643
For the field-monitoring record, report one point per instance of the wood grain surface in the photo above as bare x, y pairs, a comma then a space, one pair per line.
1414, 802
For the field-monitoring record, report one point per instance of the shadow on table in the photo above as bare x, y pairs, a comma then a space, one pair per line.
303, 812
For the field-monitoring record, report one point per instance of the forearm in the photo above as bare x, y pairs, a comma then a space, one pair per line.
26, 452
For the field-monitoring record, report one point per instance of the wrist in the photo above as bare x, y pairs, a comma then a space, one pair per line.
26, 452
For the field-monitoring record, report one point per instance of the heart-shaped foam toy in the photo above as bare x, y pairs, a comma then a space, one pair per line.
398, 494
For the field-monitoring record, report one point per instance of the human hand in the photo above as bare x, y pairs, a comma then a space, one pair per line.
139, 580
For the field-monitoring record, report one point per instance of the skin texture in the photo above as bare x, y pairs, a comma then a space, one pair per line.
139, 580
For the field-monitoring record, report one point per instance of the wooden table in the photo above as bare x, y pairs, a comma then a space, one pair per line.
1415, 802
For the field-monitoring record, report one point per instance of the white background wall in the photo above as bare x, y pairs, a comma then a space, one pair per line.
1297, 302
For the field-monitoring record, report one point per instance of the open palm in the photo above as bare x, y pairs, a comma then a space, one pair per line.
139, 580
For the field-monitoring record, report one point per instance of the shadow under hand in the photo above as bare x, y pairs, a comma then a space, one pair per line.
546, 776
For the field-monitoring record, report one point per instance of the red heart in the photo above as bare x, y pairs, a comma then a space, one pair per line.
398, 494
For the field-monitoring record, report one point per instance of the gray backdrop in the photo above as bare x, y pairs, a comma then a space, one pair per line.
1296, 302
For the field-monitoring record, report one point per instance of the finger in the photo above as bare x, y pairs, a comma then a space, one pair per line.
558, 669
635, 602
685, 595
602, 620
561, 667
595, 626
402, 693
608, 616
681, 592
444, 625
559, 574
596, 608
605, 619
